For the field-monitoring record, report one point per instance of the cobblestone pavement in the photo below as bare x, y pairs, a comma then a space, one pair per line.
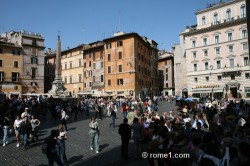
77, 146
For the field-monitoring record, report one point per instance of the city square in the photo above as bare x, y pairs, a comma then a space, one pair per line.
78, 144
84, 89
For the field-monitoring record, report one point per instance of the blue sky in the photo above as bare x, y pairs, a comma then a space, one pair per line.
86, 21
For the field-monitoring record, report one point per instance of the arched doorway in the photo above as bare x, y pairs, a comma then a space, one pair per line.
185, 92
233, 91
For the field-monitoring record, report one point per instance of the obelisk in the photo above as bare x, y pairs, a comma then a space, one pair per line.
58, 90
58, 71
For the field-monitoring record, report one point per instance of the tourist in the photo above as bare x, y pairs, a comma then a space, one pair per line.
62, 149
26, 130
63, 118
112, 116
138, 136
6, 125
52, 149
125, 133
35, 123
94, 135
17, 124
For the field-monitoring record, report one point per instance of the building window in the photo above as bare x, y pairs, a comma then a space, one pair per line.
215, 18
109, 57
217, 51
1, 76
108, 45
65, 66
80, 77
80, 62
101, 55
94, 66
84, 65
93, 78
243, 11
34, 60
232, 77
245, 46
33, 73
109, 82
244, 33
90, 84
218, 64
85, 85
204, 41
230, 36
16, 64
193, 43
70, 79
93, 56
1, 63
207, 78
101, 65
230, 48
203, 20
90, 73
15, 87
231, 62
246, 61
70, 64
195, 67
15, 52
15, 77
216, 39
219, 78
205, 53
120, 68
195, 79
1, 50
194, 54
89, 55
109, 69
247, 75
228, 14
120, 81
119, 43
166, 85
120, 55
166, 77
102, 78
89, 63
206, 66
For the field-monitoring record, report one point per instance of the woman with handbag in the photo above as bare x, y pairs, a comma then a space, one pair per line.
17, 125
94, 134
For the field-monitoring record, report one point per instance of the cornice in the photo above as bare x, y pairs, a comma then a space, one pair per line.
216, 27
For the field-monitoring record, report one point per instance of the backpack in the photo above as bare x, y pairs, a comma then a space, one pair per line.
44, 146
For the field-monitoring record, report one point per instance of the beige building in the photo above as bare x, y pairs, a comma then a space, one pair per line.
11, 66
33, 59
93, 69
166, 73
217, 51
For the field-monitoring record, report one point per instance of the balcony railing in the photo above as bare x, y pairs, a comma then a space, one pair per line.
10, 79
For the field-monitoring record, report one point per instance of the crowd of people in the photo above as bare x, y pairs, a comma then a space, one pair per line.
208, 132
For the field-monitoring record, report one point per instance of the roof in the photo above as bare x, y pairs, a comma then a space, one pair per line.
7, 44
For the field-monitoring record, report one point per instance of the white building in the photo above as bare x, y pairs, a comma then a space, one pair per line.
217, 51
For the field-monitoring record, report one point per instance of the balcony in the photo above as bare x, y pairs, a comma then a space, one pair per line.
10, 80
231, 70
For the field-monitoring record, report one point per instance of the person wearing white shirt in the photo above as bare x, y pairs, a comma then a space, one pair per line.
17, 125
25, 113
63, 118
